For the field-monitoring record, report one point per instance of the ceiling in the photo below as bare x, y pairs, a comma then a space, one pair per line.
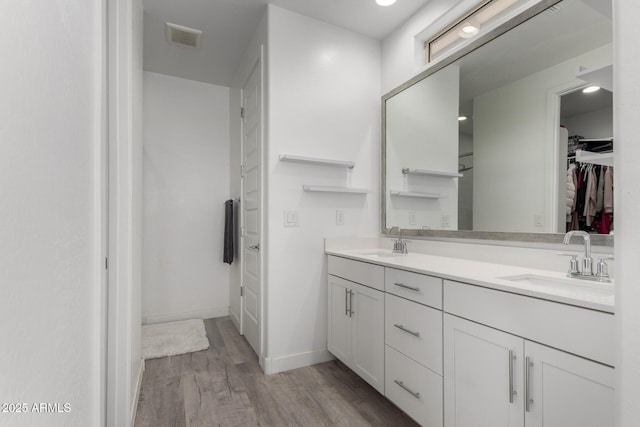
228, 26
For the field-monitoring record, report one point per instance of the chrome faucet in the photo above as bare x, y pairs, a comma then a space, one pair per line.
399, 246
587, 261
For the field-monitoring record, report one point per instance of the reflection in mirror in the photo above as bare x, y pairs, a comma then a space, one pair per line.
506, 167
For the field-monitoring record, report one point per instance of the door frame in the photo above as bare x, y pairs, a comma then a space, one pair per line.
553, 161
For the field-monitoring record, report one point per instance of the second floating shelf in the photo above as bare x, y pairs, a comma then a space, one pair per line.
408, 171
317, 161
330, 189
417, 194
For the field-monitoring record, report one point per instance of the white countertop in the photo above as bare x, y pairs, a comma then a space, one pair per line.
581, 293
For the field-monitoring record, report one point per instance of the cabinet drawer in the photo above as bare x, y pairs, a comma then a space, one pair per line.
416, 287
360, 272
413, 388
415, 330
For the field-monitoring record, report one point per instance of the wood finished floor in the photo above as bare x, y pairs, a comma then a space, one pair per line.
224, 386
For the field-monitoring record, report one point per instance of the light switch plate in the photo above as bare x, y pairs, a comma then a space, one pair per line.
291, 219
446, 220
339, 217
412, 217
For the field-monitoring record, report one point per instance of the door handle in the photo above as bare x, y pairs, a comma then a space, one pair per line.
527, 385
346, 301
351, 312
255, 247
512, 392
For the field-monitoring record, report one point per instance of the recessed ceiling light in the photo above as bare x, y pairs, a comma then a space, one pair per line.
462, 118
591, 89
469, 30
385, 2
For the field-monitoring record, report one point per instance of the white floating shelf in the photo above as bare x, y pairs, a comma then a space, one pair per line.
316, 161
431, 173
416, 194
605, 159
328, 189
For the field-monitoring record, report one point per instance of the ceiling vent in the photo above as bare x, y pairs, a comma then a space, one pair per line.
183, 35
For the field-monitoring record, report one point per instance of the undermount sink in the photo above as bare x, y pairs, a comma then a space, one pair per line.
560, 283
379, 253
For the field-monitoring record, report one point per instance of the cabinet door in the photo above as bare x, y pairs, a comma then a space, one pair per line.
567, 390
367, 307
339, 321
482, 376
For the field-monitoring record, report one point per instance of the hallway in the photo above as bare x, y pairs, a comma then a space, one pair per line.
224, 386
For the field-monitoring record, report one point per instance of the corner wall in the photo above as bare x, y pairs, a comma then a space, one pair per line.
324, 101
626, 35
51, 136
186, 182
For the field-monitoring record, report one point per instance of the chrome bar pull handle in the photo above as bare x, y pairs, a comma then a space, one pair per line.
346, 301
512, 392
527, 385
407, 389
351, 312
402, 328
402, 285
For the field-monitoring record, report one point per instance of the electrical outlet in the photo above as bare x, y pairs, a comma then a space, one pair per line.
538, 220
412, 217
291, 219
446, 220
339, 217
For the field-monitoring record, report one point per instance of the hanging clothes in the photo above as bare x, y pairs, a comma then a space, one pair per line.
571, 191
590, 196
608, 190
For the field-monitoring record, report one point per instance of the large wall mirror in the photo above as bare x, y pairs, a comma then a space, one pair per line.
523, 164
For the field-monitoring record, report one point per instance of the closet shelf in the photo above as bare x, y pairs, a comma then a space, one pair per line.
329, 189
408, 171
605, 159
317, 161
417, 194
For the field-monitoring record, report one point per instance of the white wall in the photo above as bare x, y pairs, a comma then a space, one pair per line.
50, 266
324, 101
137, 364
510, 128
186, 182
627, 205
594, 124
422, 133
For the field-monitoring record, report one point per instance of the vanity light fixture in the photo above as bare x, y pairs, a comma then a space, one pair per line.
591, 89
385, 2
462, 118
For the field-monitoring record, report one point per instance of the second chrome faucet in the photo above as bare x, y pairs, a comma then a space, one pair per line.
587, 261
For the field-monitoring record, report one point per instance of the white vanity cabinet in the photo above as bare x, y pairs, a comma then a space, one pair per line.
455, 354
356, 318
413, 344
495, 378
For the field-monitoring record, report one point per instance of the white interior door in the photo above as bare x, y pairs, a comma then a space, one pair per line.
252, 207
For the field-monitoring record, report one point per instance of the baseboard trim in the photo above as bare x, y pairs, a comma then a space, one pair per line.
203, 313
273, 365
235, 320
136, 394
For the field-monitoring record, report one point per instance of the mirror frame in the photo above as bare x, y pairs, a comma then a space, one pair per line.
498, 236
